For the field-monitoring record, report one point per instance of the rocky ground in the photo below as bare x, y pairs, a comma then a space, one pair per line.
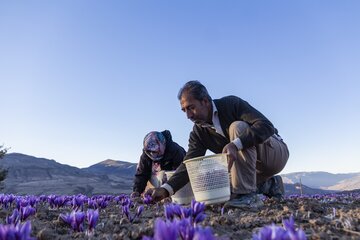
319, 217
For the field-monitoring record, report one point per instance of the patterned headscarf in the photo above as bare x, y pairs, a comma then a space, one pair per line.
154, 145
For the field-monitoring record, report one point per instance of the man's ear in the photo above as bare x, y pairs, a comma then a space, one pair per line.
207, 102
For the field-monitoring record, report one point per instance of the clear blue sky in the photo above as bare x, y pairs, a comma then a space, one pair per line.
84, 81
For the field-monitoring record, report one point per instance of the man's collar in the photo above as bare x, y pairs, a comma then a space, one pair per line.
214, 109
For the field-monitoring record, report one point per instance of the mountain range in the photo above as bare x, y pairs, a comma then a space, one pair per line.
31, 175
35, 176
324, 180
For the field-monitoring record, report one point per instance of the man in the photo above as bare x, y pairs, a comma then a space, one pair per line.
160, 153
230, 125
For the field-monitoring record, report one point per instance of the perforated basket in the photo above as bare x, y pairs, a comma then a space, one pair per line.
209, 178
182, 196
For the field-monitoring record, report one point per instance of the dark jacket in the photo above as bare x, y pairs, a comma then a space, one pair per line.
173, 157
230, 109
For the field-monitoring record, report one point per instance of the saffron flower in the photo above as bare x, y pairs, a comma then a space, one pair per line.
78, 221
75, 220
18, 231
14, 218
92, 204
165, 230
185, 228
102, 203
92, 218
195, 212
60, 201
147, 199
127, 213
275, 232
179, 229
7, 200
78, 202
25, 212
203, 234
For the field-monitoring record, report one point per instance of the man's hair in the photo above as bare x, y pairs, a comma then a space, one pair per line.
196, 90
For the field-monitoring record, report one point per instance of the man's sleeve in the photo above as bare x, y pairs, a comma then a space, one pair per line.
178, 157
260, 127
180, 177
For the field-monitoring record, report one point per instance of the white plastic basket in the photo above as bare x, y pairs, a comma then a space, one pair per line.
182, 196
209, 178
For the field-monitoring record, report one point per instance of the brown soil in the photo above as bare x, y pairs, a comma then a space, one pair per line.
315, 216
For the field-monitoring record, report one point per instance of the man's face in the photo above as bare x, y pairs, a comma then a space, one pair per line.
197, 111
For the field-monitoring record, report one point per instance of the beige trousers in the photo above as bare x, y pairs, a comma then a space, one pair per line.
256, 164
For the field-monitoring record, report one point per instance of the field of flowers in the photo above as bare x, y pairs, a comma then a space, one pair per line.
335, 216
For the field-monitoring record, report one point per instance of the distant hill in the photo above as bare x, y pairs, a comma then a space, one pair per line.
291, 189
325, 180
114, 168
31, 175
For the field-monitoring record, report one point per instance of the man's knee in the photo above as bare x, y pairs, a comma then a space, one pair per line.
236, 128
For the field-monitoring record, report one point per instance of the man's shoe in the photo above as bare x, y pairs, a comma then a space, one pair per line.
272, 188
245, 201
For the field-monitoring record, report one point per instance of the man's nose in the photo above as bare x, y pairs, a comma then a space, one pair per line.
189, 114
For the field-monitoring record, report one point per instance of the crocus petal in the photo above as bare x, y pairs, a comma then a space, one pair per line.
165, 230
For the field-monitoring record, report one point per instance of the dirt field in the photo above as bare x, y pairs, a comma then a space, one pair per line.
320, 217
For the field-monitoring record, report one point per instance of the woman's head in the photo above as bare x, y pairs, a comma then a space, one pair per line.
154, 145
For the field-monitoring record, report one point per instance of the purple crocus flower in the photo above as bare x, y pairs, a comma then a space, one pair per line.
199, 218
92, 204
14, 218
78, 221
147, 199
25, 230
126, 211
177, 209
289, 224
186, 212
43, 198
269, 233
147, 238
92, 218
276, 232
222, 211
33, 200
75, 220
169, 213
197, 207
25, 212
59, 201
8, 200
185, 229
21, 202
203, 234
165, 230
66, 218
102, 203
119, 198
139, 211
127, 201
78, 202
18, 231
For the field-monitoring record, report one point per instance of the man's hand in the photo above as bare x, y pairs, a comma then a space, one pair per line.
157, 194
231, 150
